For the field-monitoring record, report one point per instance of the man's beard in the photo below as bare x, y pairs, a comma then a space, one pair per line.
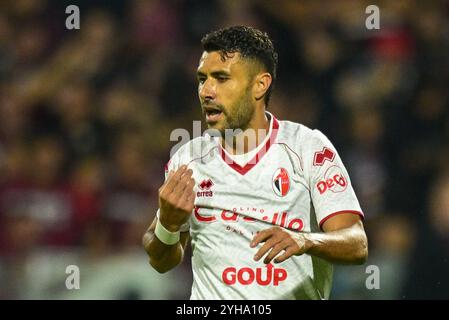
239, 116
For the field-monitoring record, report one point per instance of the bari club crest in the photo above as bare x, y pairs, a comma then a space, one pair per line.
281, 182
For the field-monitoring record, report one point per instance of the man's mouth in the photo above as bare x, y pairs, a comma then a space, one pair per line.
213, 114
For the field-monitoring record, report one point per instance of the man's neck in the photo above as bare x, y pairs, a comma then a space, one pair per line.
249, 139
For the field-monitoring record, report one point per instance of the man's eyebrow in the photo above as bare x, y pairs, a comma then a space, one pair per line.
213, 74
220, 73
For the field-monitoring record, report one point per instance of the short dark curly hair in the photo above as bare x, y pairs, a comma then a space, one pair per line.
251, 43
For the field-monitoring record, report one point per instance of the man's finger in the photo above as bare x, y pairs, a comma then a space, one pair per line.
261, 236
181, 183
277, 248
191, 197
189, 203
289, 251
270, 243
173, 180
187, 193
170, 174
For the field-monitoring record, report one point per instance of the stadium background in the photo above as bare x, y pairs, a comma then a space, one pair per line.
85, 119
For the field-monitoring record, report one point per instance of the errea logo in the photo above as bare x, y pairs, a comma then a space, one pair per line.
205, 186
322, 156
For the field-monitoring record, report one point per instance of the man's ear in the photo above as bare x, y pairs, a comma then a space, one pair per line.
262, 82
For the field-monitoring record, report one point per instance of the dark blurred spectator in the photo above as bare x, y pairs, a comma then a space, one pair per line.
427, 268
41, 197
130, 196
162, 18
87, 191
80, 127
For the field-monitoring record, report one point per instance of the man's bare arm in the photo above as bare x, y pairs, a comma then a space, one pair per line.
343, 241
176, 202
163, 257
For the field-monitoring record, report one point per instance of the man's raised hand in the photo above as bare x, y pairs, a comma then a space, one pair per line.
176, 198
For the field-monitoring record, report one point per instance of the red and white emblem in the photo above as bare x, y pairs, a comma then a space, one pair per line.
321, 156
205, 186
281, 182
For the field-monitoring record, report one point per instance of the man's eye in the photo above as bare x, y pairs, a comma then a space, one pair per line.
201, 80
222, 79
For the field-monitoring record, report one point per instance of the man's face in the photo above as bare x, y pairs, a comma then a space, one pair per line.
224, 89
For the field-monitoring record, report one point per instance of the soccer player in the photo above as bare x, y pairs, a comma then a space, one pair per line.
266, 219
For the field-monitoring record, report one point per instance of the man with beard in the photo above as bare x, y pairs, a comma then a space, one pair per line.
267, 204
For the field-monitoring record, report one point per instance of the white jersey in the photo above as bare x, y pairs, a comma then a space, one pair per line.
297, 181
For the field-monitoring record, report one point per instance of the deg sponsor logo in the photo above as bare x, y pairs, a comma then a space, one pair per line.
334, 181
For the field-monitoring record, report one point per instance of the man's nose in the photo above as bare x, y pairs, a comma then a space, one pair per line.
207, 91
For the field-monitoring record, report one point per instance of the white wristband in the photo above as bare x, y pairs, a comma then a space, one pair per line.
165, 236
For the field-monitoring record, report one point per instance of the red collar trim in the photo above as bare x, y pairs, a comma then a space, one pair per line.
243, 170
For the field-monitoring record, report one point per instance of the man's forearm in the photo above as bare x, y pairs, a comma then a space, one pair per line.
344, 246
162, 257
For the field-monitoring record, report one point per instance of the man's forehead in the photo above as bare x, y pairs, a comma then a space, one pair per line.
215, 59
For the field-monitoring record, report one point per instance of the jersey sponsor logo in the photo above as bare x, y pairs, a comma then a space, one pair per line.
334, 180
281, 182
205, 186
203, 218
321, 156
279, 219
261, 276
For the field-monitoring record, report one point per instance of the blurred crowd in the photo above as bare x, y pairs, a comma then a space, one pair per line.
86, 116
